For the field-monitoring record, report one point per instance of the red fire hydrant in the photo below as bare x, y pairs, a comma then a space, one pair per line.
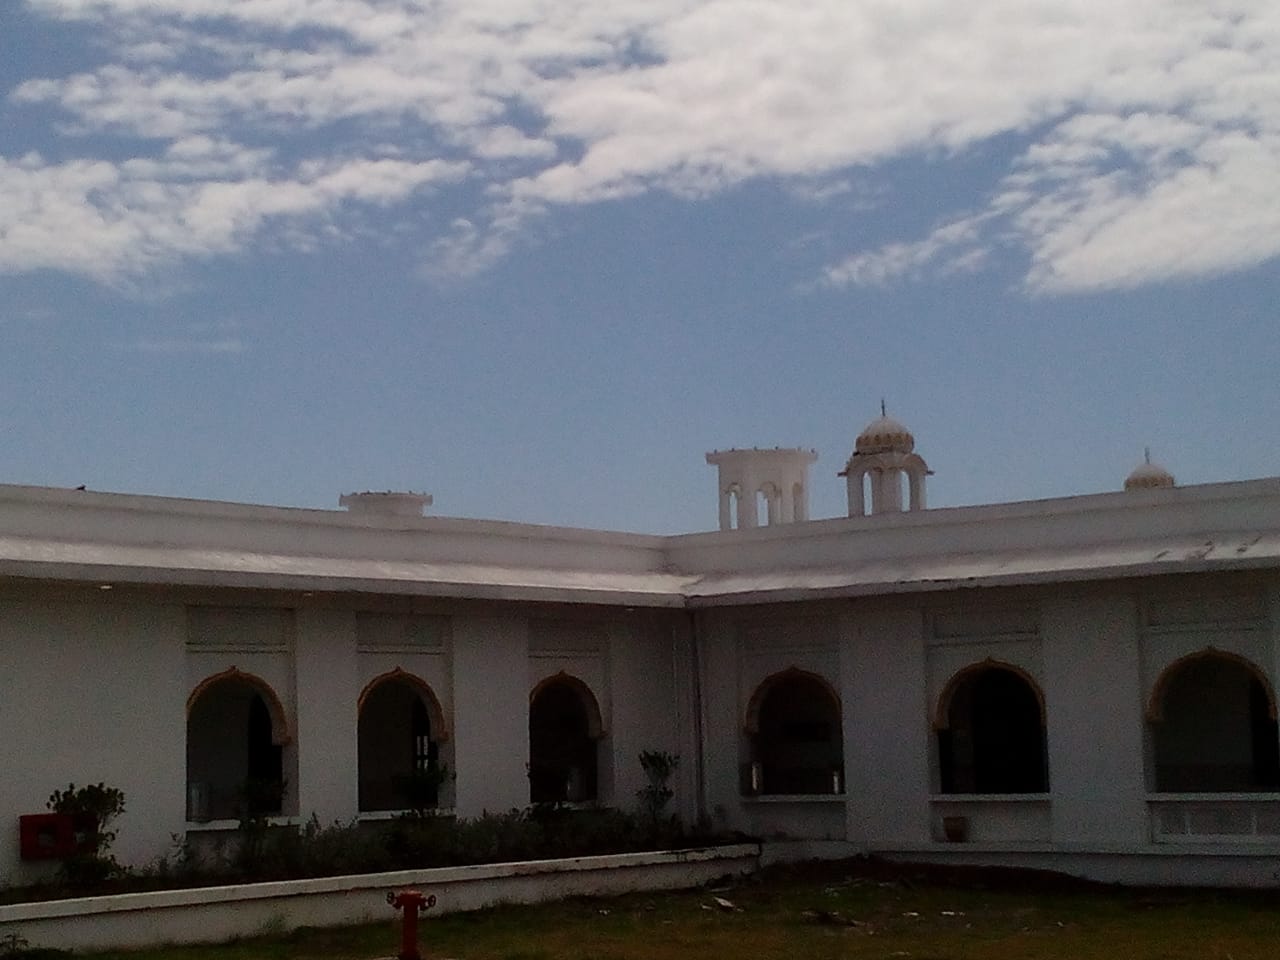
410, 902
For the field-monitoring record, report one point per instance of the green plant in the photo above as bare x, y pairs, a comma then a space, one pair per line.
93, 807
259, 800
658, 765
421, 789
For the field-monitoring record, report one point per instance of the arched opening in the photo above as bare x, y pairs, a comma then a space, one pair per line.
1213, 727
235, 749
400, 730
991, 736
564, 727
796, 737
735, 508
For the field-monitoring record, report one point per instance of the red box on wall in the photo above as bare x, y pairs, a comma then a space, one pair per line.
53, 836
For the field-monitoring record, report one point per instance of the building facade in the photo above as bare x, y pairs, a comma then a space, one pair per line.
1085, 684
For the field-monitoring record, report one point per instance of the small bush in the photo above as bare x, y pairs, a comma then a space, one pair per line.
263, 850
658, 766
96, 806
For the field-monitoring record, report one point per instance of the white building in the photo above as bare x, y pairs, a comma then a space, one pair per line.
1086, 684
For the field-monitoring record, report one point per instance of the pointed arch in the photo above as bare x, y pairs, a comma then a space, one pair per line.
565, 731
435, 712
280, 732
239, 748
942, 711
595, 723
1212, 726
1155, 704
400, 728
751, 721
990, 732
795, 736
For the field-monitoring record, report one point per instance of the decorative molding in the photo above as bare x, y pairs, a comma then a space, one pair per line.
280, 733
1155, 705
941, 716
435, 713
595, 724
751, 722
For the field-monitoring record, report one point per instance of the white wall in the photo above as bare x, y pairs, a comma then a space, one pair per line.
886, 726
722, 721
328, 688
644, 703
92, 690
1094, 706
491, 713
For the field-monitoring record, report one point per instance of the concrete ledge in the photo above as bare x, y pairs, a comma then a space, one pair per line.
216, 914
1154, 865
798, 851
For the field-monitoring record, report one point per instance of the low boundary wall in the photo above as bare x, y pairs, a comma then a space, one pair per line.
216, 914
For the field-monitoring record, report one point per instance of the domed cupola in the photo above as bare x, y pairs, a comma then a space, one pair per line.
1148, 476
884, 435
883, 456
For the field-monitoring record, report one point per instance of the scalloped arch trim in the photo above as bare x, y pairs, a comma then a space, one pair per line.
942, 713
435, 713
751, 722
595, 723
280, 732
1155, 705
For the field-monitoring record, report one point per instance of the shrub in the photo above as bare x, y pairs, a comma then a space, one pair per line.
96, 806
659, 766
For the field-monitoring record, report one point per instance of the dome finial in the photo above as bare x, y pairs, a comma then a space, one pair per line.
883, 411
1148, 475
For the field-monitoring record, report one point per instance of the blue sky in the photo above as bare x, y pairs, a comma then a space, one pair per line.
538, 256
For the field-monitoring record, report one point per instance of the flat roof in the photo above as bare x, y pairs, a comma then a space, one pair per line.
61, 535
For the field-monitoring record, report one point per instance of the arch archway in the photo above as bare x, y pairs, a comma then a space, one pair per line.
795, 735
991, 732
564, 731
1212, 718
237, 737
400, 728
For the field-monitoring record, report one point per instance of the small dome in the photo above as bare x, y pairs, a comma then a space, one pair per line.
884, 435
1148, 476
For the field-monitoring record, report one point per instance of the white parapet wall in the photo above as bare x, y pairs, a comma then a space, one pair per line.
218, 914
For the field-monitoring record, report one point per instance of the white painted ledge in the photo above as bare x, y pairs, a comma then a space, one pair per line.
228, 825
217, 914
379, 816
1145, 864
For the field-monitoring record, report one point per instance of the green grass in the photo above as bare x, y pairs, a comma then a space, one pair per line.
829, 911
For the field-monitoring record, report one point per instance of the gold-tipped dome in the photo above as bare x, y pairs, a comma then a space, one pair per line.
1148, 476
884, 435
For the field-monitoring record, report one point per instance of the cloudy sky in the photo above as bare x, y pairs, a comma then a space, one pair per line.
538, 256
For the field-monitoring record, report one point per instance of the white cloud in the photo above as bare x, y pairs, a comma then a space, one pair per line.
952, 247
169, 347
111, 221
1150, 125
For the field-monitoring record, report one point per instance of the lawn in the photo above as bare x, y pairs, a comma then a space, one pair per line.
851, 909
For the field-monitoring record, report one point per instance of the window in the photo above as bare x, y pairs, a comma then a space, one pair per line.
400, 767
991, 736
1213, 727
235, 749
564, 729
795, 738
